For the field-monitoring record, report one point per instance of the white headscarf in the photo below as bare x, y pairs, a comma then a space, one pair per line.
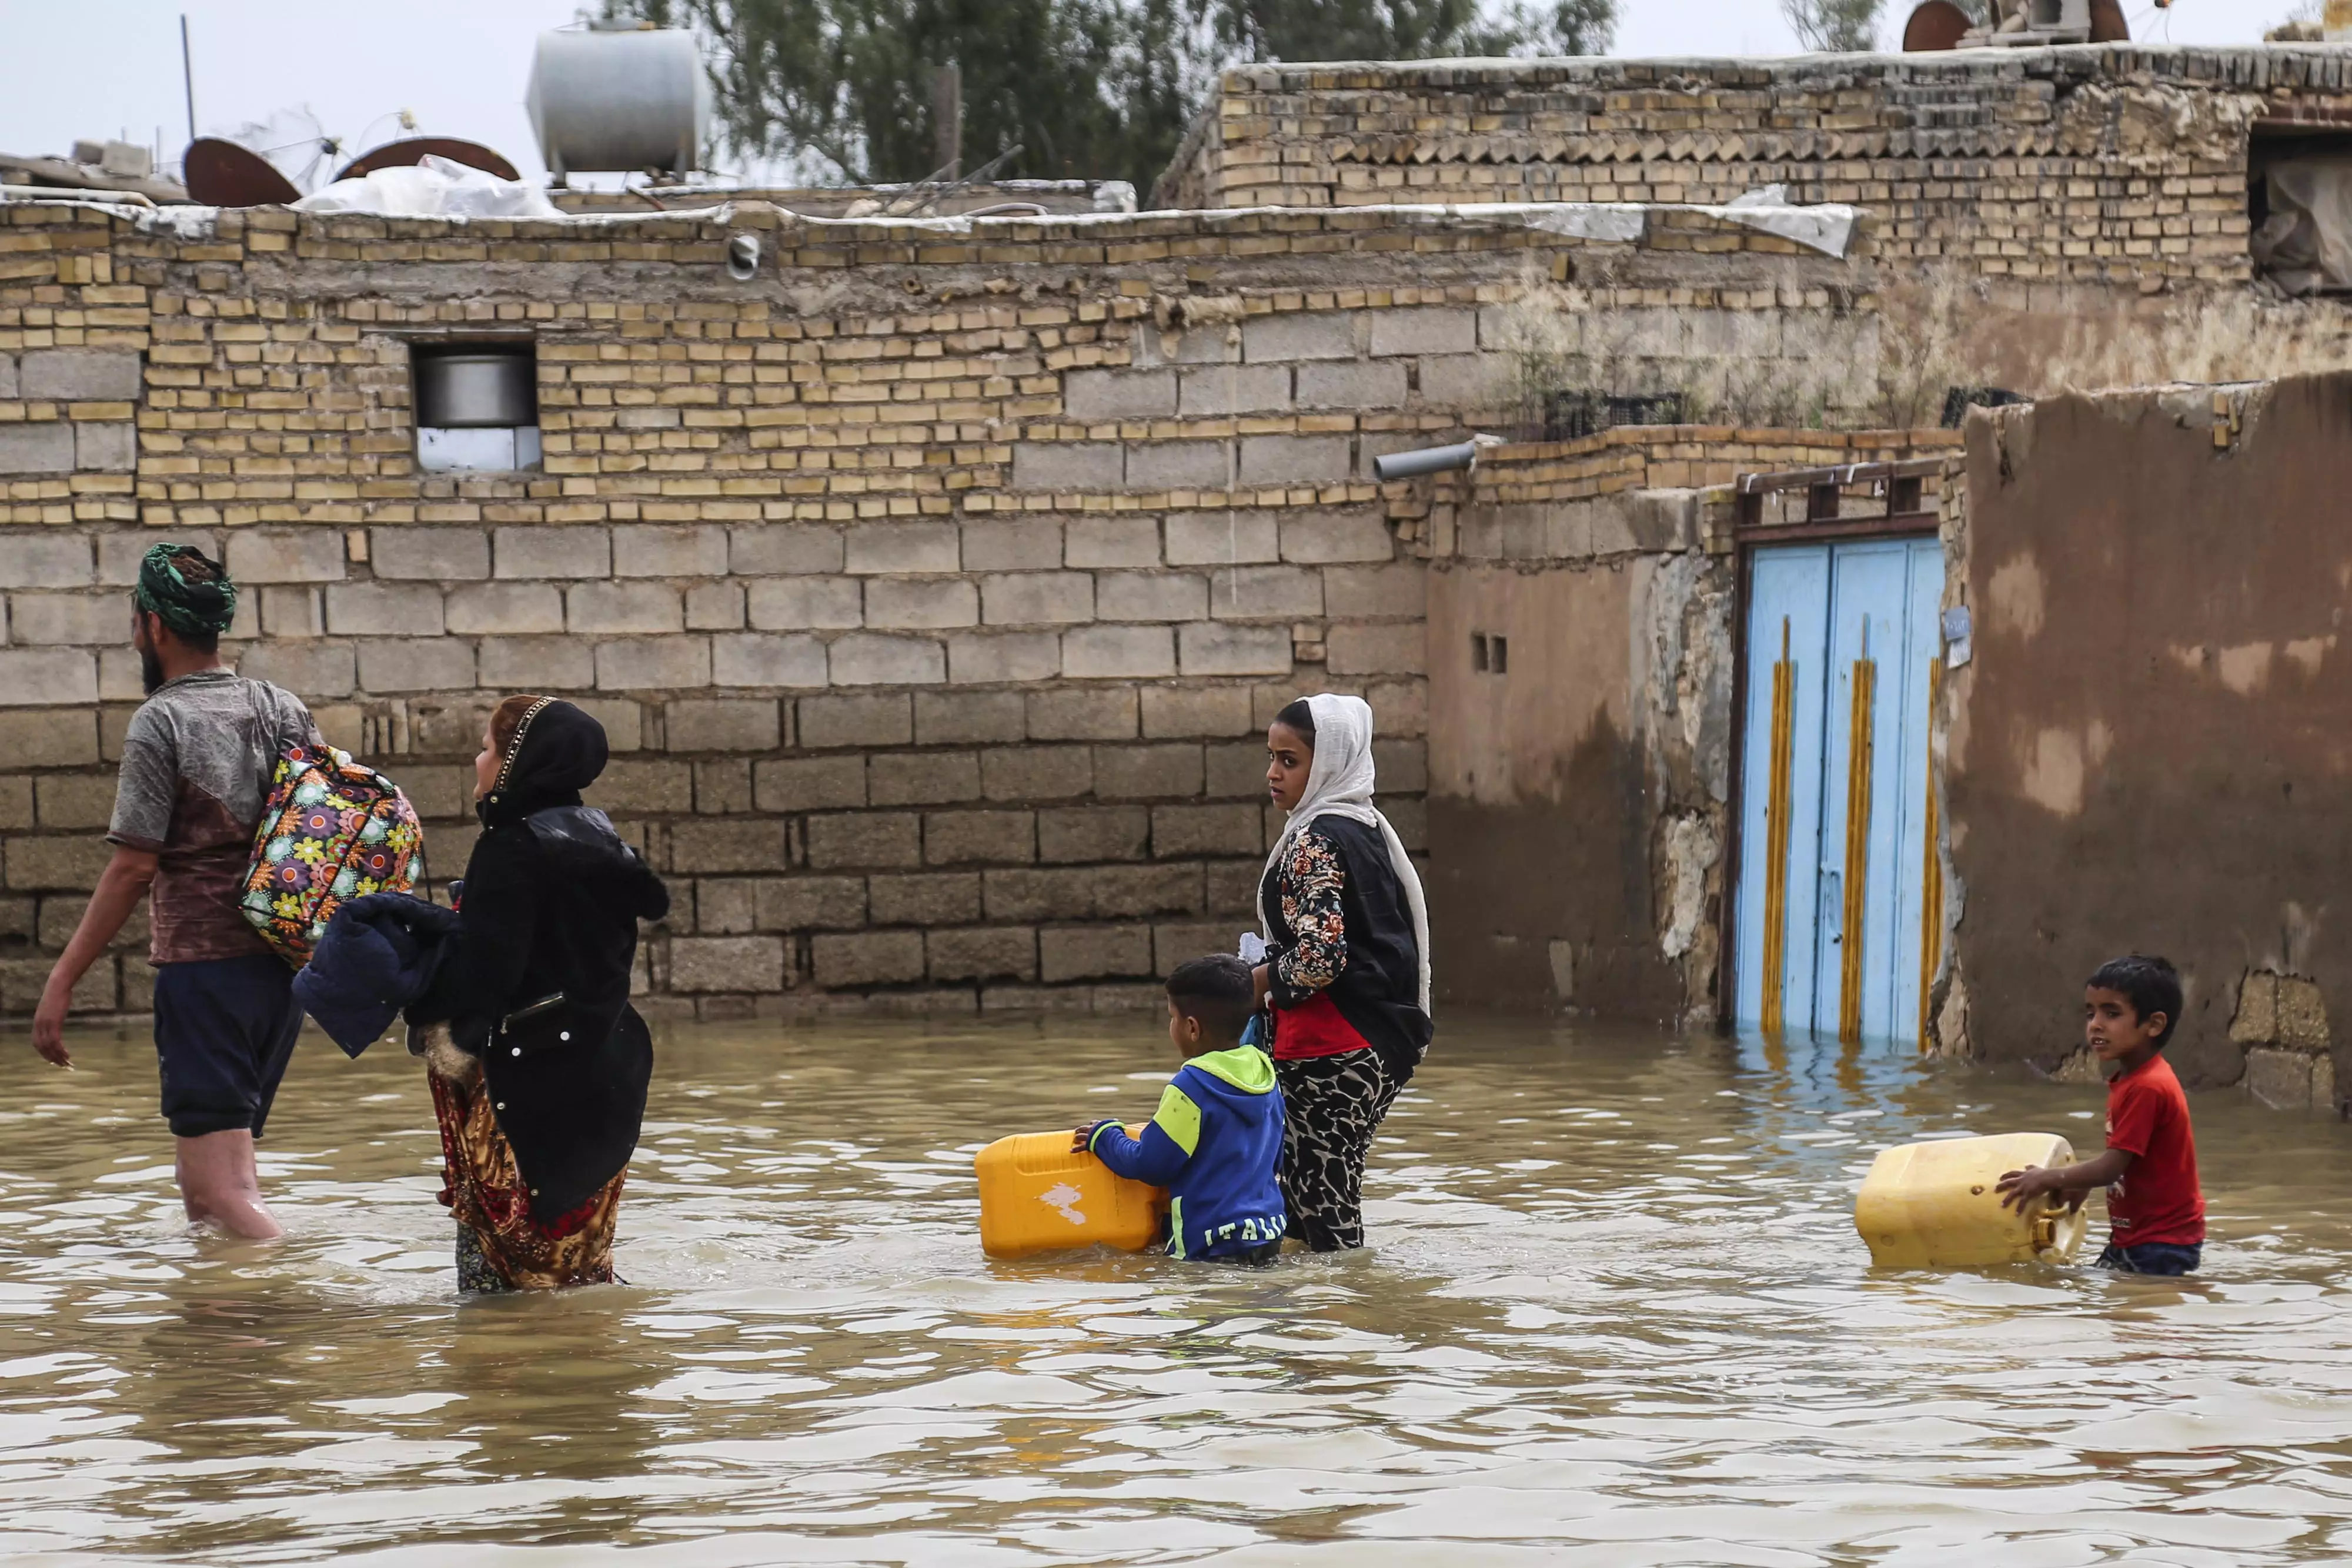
1340, 784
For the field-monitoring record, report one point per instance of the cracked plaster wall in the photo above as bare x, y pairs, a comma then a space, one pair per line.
1577, 800
2147, 750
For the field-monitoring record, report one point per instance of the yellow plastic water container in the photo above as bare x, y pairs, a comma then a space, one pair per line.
1038, 1195
1934, 1205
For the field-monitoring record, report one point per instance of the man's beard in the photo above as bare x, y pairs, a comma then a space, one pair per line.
150, 669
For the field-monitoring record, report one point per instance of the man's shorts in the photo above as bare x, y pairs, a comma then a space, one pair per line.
2152, 1258
225, 1031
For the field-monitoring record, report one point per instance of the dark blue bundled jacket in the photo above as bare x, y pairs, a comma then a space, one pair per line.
379, 954
1213, 1144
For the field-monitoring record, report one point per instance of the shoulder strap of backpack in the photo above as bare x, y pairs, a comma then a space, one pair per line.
268, 741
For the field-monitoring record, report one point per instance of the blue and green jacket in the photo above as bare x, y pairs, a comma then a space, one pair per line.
1213, 1144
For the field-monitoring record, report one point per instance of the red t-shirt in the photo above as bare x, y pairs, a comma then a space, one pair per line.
2158, 1198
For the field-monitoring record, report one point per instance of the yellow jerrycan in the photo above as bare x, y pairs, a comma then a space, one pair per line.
1934, 1205
1038, 1195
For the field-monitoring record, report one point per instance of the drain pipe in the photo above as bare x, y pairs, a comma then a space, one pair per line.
73, 193
1431, 459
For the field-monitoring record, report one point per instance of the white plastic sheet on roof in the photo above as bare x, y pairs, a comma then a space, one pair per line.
433, 187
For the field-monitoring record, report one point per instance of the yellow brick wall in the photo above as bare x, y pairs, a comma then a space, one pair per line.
2105, 165
932, 584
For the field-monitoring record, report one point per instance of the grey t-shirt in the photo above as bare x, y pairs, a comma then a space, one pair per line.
197, 765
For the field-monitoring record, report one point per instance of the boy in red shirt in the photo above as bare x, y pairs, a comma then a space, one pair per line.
2149, 1170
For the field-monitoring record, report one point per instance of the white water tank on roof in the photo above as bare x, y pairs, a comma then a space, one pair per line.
619, 100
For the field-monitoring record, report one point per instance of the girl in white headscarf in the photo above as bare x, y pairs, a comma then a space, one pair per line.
1346, 970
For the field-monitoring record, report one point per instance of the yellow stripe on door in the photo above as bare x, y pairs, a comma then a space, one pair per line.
1776, 810
1931, 874
1857, 842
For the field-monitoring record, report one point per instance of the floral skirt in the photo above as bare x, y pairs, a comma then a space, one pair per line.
500, 1246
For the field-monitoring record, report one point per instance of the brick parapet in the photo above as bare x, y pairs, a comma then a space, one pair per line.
267, 353
1684, 457
1631, 490
2087, 163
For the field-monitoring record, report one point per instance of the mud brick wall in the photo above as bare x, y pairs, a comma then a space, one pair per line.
2090, 163
2145, 751
934, 584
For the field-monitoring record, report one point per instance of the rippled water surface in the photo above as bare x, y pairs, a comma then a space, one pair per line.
1615, 1313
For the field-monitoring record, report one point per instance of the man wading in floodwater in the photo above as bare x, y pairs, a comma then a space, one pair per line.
197, 765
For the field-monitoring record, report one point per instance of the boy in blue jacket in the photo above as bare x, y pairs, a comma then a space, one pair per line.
1214, 1139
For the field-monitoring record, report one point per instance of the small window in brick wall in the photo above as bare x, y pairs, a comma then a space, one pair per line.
1490, 655
476, 407
2298, 184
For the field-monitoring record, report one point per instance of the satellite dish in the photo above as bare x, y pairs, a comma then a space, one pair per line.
223, 174
417, 148
1933, 26
2108, 22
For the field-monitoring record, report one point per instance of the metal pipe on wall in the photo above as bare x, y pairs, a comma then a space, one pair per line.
188, 76
1428, 460
73, 193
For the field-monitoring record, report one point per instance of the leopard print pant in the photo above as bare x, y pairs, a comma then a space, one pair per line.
1330, 1107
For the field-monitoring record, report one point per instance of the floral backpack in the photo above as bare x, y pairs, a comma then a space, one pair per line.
332, 829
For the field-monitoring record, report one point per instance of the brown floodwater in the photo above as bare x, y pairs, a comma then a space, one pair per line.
1615, 1314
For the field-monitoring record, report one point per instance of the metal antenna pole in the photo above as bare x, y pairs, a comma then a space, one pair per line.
188, 76
947, 118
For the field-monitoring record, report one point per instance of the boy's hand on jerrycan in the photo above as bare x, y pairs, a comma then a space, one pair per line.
2019, 1187
1083, 1139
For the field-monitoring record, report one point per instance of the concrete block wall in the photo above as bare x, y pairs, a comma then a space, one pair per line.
2101, 163
934, 586
78, 403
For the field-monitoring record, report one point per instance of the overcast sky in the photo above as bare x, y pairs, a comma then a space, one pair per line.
112, 68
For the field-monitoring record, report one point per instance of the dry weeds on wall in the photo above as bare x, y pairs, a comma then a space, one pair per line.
1890, 365
2238, 336
1793, 370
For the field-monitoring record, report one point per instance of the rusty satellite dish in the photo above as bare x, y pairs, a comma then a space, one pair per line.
416, 148
1938, 24
223, 174
2108, 22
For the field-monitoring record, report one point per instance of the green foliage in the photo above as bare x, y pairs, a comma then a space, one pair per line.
1088, 89
1570, 27
1337, 29
1404, 29
1834, 26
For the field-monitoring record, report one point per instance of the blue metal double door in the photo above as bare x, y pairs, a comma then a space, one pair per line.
1837, 919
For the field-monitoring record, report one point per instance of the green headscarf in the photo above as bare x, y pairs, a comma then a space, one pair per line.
191, 607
